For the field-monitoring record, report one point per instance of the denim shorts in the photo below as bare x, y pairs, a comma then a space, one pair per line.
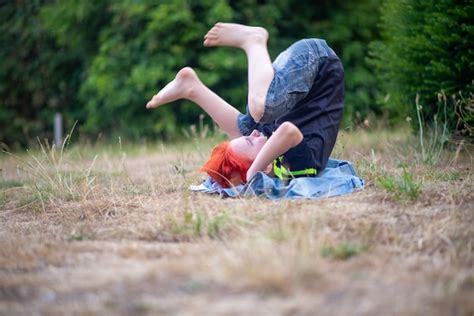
307, 90
295, 71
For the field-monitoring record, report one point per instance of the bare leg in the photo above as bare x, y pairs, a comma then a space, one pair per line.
187, 86
253, 40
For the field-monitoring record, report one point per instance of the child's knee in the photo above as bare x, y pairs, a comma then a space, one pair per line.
256, 106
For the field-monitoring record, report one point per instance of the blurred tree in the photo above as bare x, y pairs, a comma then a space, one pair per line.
100, 61
45, 48
146, 44
426, 48
36, 77
142, 49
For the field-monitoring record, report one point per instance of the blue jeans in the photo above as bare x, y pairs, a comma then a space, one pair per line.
295, 71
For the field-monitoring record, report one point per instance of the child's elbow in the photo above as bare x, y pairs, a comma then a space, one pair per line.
291, 132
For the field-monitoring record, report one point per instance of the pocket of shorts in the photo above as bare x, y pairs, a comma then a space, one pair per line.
300, 82
298, 86
301, 76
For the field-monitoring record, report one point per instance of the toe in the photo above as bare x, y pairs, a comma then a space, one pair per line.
209, 42
215, 30
211, 33
153, 103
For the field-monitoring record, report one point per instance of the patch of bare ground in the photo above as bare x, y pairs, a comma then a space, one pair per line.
105, 232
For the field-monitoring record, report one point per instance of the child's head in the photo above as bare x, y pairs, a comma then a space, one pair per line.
226, 167
230, 161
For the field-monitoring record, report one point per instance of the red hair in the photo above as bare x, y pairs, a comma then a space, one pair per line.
224, 163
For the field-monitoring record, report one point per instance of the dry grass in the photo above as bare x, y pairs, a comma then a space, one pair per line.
115, 231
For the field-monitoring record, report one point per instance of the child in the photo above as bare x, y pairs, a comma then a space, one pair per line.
294, 107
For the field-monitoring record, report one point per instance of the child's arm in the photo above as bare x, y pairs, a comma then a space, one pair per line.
283, 139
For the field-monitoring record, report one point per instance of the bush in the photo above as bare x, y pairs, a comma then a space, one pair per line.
36, 77
426, 49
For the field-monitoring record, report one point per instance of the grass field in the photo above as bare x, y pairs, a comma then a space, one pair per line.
114, 230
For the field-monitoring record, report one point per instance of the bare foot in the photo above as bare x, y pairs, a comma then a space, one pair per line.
179, 88
235, 35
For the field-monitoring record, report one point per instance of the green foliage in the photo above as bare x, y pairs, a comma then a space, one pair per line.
142, 50
7, 184
402, 186
426, 48
190, 225
98, 62
36, 77
342, 251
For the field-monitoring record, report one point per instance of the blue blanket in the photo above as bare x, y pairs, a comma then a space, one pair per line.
338, 178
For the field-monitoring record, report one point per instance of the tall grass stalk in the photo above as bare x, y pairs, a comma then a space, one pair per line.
431, 153
465, 112
419, 115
